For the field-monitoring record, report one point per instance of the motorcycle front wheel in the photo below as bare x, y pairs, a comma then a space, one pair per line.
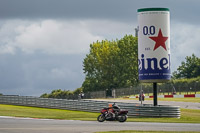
101, 118
122, 118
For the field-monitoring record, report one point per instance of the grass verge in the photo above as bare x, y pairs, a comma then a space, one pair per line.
187, 115
34, 112
194, 100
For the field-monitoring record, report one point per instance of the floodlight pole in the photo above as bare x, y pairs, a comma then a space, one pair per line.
155, 100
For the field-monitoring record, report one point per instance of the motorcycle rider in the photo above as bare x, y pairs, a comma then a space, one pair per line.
114, 110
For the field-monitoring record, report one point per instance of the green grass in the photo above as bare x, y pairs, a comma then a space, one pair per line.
133, 131
34, 112
187, 115
194, 100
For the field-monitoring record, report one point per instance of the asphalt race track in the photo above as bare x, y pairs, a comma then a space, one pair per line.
28, 125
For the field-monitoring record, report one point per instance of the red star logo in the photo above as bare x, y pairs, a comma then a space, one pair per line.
160, 40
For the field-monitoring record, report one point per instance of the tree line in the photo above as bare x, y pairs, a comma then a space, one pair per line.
63, 94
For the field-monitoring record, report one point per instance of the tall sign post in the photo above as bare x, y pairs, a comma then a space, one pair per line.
154, 46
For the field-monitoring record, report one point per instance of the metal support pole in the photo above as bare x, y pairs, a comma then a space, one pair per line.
141, 94
155, 100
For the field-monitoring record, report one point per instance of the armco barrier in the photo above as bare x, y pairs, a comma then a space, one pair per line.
135, 110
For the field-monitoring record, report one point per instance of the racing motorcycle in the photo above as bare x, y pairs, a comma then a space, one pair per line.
113, 113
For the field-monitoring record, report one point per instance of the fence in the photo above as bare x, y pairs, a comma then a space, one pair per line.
95, 94
163, 89
135, 110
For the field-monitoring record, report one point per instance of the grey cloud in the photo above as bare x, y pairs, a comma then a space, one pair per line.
95, 9
28, 74
60, 9
47, 36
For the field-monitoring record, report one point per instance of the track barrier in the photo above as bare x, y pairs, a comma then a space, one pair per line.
135, 110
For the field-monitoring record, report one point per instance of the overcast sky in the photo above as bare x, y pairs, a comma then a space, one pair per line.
43, 42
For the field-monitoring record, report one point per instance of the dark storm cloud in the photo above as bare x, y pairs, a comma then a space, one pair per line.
90, 9
61, 9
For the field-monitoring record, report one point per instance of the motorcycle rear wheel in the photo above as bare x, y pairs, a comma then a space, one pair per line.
122, 118
101, 118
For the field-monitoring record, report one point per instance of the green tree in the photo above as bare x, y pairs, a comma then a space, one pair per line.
127, 63
188, 69
55, 93
45, 95
78, 91
111, 64
62, 94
